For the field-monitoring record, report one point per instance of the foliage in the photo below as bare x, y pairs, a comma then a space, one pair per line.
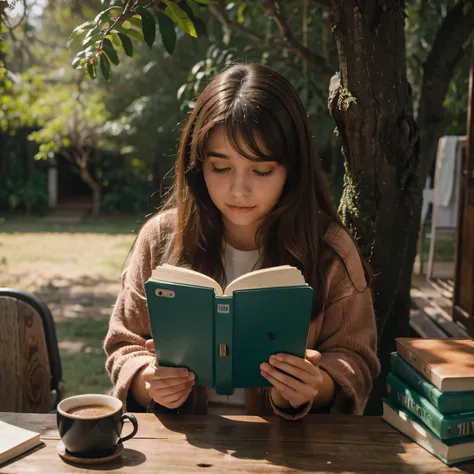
18, 194
114, 27
127, 186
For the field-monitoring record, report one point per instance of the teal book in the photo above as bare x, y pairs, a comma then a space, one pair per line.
445, 402
444, 426
451, 452
224, 336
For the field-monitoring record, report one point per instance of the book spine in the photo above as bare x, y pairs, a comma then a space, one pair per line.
446, 427
415, 379
416, 362
224, 345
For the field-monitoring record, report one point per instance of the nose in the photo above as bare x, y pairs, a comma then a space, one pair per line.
241, 185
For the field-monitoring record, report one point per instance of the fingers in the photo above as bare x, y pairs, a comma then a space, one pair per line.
177, 403
153, 372
296, 372
294, 398
170, 393
166, 383
283, 378
150, 345
172, 397
313, 356
280, 360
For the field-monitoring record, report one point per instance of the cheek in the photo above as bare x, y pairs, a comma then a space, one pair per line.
271, 191
215, 186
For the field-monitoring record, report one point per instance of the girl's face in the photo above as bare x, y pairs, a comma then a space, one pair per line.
244, 191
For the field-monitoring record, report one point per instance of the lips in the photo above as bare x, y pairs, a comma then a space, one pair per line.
240, 209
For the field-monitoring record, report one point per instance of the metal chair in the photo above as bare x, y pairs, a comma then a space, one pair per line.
30, 365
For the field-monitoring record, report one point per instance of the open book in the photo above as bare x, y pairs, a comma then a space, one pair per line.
224, 335
283, 275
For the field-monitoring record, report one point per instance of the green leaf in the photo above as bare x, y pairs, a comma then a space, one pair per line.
133, 33
241, 13
110, 51
148, 25
105, 66
193, 13
77, 62
105, 13
114, 37
207, 2
127, 44
167, 32
180, 17
136, 20
81, 28
91, 70
88, 41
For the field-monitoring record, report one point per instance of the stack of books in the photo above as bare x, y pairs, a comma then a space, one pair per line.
430, 395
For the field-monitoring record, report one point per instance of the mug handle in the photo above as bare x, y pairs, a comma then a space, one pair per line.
133, 420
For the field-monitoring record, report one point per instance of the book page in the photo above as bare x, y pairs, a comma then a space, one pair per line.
281, 276
185, 276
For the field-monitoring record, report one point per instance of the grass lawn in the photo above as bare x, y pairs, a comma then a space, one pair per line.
75, 269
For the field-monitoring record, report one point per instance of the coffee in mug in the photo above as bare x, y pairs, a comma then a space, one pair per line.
91, 411
91, 425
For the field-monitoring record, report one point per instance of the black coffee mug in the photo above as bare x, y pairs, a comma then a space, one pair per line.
93, 435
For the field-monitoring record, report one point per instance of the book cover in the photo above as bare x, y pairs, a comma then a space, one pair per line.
444, 426
15, 441
451, 452
445, 402
446, 363
224, 337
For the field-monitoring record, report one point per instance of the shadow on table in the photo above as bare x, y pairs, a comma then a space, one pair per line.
295, 445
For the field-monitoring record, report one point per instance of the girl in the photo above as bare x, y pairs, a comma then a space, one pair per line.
250, 193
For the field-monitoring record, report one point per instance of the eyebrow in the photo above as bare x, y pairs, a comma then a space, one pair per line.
216, 154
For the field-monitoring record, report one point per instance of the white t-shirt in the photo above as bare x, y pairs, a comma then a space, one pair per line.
236, 263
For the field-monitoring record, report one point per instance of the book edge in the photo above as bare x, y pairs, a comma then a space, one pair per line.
20, 449
413, 425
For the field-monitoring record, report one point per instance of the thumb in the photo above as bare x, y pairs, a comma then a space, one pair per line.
313, 356
150, 345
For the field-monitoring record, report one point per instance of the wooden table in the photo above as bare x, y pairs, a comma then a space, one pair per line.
239, 444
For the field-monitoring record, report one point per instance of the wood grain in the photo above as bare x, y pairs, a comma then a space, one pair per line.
25, 375
238, 444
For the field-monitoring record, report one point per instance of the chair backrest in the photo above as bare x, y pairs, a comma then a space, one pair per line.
30, 366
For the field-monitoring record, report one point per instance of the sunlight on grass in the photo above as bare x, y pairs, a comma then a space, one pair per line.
76, 270
83, 362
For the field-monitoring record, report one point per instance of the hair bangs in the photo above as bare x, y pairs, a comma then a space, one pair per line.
255, 133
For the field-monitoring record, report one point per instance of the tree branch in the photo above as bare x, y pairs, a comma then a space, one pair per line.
314, 61
447, 50
219, 12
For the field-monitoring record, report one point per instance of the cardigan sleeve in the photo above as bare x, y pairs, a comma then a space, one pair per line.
348, 338
129, 326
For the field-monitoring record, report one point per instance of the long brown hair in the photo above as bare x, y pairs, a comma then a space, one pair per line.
262, 114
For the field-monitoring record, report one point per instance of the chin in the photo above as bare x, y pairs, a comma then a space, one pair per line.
243, 221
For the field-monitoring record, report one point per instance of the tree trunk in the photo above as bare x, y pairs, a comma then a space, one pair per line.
381, 201
96, 191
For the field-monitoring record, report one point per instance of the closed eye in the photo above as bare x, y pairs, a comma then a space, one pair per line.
263, 173
219, 170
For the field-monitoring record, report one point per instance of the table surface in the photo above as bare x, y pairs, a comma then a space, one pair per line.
239, 444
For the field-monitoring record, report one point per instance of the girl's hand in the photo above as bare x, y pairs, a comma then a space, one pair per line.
295, 380
168, 386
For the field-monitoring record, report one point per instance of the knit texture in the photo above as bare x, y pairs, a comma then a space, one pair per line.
344, 332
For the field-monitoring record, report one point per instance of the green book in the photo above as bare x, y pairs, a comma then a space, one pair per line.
224, 336
451, 452
445, 402
444, 426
